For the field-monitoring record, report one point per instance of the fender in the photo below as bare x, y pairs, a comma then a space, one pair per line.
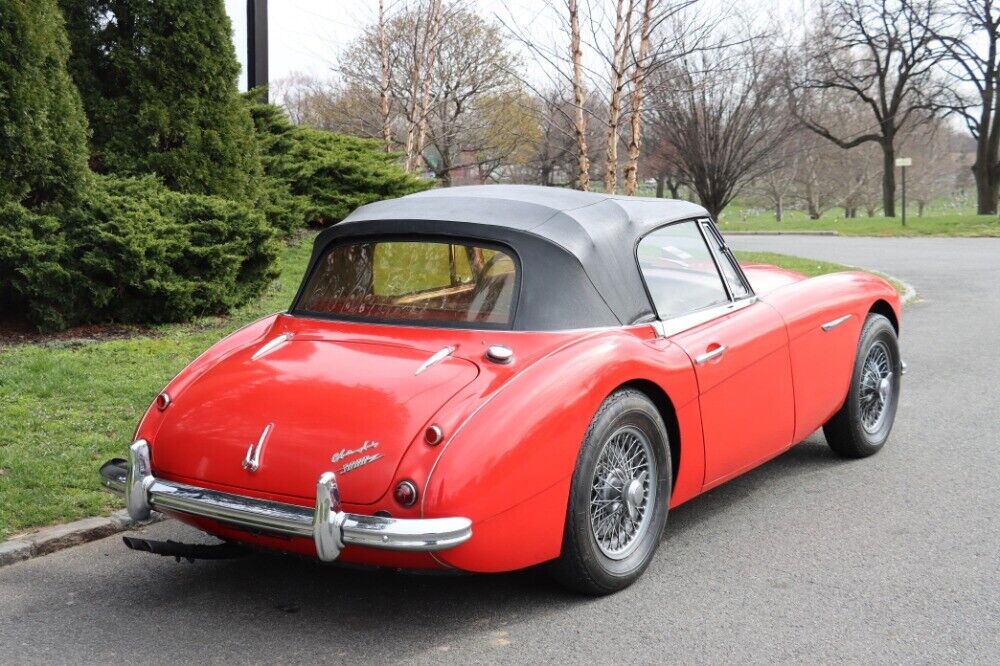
823, 358
523, 443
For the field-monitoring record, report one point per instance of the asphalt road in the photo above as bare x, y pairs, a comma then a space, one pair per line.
807, 559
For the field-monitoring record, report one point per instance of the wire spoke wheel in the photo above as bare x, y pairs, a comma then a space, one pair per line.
623, 492
876, 387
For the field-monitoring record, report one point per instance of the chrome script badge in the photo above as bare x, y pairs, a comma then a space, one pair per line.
359, 462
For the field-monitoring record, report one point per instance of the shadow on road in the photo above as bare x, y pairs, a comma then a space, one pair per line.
298, 585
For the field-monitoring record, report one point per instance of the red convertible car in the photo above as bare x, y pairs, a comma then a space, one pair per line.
488, 378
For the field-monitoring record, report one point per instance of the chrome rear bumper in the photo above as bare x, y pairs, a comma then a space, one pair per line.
330, 528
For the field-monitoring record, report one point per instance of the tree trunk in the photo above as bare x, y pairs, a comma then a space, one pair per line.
779, 209
384, 80
433, 41
987, 188
622, 39
920, 208
888, 176
580, 126
546, 175
986, 167
635, 103
659, 187
812, 208
674, 186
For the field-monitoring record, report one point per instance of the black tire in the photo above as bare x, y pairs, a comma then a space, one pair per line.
582, 565
846, 432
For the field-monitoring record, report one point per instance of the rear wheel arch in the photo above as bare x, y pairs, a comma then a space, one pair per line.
665, 406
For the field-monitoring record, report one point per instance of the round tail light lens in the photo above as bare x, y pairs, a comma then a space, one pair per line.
163, 401
405, 493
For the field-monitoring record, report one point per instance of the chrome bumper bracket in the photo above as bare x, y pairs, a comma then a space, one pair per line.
330, 528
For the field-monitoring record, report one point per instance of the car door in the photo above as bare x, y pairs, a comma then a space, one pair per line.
737, 344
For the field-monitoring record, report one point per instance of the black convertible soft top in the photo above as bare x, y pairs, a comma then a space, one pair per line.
576, 249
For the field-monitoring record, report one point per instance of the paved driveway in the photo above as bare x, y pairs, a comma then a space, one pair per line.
807, 559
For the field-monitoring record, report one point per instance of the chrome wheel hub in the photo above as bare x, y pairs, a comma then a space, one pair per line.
623, 492
875, 390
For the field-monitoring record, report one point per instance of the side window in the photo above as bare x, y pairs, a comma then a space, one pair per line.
679, 271
727, 263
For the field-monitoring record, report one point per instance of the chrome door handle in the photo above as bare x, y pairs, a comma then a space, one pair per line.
830, 325
708, 356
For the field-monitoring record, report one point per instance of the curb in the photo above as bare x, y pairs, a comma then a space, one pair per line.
909, 291
58, 537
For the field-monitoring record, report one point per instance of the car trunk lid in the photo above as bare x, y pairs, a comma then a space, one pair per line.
313, 404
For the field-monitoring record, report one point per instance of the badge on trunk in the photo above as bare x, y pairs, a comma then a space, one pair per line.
359, 462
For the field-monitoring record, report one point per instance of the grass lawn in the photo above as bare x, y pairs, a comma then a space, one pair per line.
67, 406
810, 267
935, 223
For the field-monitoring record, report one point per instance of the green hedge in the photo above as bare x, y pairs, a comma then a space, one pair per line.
133, 251
327, 175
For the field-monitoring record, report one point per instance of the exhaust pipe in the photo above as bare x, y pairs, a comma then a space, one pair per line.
187, 551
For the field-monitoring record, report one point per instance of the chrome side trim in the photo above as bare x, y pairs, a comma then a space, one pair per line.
330, 528
437, 357
830, 325
271, 345
675, 325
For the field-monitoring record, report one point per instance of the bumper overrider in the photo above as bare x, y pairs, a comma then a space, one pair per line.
330, 528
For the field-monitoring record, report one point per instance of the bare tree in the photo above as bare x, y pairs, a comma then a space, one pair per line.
297, 93
555, 154
971, 41
479, 115
777, 185
936, 165
876, 54
721, 112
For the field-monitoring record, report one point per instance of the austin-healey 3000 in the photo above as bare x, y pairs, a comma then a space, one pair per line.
487, 378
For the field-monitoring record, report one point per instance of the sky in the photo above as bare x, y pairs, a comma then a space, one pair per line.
306, 35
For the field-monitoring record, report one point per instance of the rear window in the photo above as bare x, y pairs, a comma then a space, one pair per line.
413, 281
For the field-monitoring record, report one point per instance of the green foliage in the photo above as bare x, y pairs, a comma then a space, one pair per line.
323, 176
158, 81
43, 131
54, 434
134, 251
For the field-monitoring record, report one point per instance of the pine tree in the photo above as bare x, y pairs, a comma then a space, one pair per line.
158, 81
43, 130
